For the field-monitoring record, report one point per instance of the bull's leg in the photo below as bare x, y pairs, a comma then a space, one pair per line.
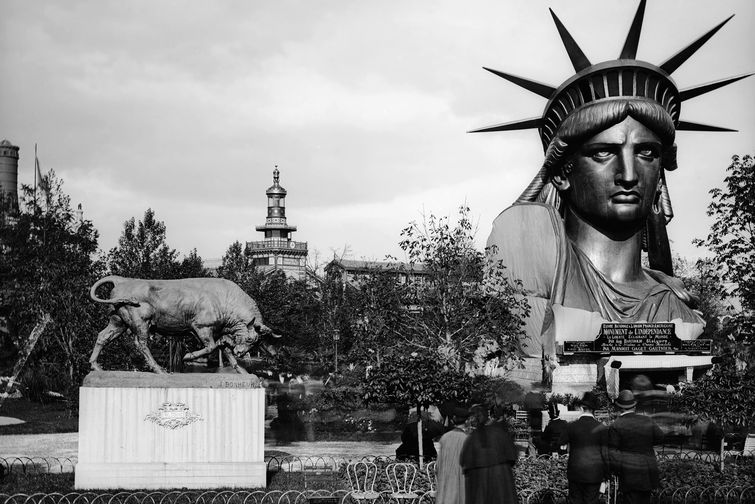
141, 337
112, 331
205, 336
233, 362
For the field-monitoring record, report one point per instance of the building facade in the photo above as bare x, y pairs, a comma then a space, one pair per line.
277, 250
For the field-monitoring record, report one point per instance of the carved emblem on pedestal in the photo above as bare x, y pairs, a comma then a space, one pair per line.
173, 416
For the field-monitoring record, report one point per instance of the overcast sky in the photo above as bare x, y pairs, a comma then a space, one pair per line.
187, 106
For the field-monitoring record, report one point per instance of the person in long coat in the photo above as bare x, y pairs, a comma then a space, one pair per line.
630, 442
587, 466
450, 475
488, 459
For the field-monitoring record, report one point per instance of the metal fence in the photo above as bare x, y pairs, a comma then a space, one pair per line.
322, 480
684, 495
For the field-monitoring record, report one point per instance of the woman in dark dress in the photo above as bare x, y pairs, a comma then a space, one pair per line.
488, 459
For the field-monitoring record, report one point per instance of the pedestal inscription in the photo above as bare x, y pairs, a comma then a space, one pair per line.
644, 338
147, 431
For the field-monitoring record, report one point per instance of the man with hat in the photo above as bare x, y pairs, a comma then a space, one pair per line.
551, 440
630, 444
586, 468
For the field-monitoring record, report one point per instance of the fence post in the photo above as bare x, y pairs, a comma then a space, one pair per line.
723, 444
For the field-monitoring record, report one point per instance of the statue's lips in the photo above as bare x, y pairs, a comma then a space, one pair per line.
626, 197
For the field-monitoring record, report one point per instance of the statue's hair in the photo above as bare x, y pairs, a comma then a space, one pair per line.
587, 122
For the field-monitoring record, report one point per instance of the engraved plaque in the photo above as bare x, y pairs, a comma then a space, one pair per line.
173, 416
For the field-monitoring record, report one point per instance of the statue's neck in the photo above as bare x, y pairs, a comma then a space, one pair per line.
615, 254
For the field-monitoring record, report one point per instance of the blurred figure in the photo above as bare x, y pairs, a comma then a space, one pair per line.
450, 475
487, 460
534, 403
630, 442
550, 441
587, 466
409, 447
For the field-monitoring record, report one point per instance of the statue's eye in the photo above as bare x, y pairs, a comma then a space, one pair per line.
601, 155
649, 153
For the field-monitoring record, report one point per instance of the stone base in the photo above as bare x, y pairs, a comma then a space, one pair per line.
148, 431
531, 373
155, 476
574, 379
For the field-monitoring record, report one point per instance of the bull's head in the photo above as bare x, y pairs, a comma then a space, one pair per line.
256, 335
245, 342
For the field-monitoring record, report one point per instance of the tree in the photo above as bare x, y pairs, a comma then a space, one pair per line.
378, 312
192, 266
465, 309
48, 264
417, 379
142, 252
237, 267
732, 241
725, 395
290, 307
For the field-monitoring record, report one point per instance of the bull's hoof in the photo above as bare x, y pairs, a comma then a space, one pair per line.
160, 370
95, 366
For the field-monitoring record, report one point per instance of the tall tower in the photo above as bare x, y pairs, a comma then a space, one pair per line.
277, 250
9, 173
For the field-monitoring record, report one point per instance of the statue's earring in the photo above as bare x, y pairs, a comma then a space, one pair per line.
568, 167
657, 198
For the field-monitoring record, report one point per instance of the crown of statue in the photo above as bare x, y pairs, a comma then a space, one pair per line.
625, 77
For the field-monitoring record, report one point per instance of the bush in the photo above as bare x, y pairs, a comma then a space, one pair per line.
34, 384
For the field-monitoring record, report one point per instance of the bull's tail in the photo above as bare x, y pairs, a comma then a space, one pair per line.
112, 279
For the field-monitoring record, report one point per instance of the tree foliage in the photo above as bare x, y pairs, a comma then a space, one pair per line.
732, 241
143, 252
236, 266
725, 395
417, 379
466, 308
48, 263
732, 236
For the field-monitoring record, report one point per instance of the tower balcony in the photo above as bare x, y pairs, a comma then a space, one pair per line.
276, 244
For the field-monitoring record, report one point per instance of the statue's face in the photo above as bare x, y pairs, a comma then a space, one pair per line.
614, 177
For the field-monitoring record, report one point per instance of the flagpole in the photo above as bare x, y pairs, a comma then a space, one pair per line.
36, 169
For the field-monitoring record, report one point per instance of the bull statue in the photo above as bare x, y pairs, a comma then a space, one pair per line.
214, 310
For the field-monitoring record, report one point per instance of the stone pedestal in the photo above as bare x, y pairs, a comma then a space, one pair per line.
149, 431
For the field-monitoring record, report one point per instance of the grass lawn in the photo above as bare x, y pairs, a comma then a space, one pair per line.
40, 418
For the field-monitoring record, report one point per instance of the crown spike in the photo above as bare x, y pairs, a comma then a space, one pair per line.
534, 122
538, 88
629, 51
675, 61
690, 126
686, 94
577, 57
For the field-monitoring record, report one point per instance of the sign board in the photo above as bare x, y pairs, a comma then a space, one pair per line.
642, 338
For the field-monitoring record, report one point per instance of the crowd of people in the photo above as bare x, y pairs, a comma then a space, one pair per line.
478, 453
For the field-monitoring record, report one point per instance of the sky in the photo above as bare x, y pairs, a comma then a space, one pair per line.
186, 107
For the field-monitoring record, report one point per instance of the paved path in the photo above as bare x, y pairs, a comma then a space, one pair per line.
66, 445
